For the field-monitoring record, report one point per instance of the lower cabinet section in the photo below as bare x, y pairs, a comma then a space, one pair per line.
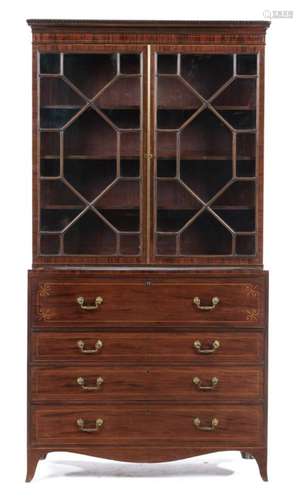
136, 424
143, 367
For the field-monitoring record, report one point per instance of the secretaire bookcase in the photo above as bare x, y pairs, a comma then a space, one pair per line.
147, 332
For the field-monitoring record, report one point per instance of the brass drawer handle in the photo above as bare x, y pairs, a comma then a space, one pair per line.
200, 350
214, 424
81, 344
99, 382
81, 302
213, 383
215, 301
81, 425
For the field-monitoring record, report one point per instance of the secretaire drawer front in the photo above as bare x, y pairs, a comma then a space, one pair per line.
146, 383
237, 302
158, 424
149, 347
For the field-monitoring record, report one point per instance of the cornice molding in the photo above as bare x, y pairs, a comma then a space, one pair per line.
161, 25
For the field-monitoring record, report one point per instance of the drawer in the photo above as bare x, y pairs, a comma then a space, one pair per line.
208, 301
147, 424
149, 347
146, 383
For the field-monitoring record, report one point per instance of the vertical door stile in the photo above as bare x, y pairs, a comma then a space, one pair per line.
148, 154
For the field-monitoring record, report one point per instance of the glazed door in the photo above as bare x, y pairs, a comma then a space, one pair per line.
205, 119
90, 180
148, 155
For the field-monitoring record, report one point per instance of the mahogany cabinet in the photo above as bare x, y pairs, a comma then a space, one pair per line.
147, 336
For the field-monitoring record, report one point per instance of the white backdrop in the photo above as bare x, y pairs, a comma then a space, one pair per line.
220, 475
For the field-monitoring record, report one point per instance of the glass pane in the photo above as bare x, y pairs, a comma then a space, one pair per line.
90, 177
120, 205
58, 103
206, 236
174, 94
239, 194
130, 63
246, 244
49, 145
50, 244
90, 154
246, 155
206, 137
55, 193
166, 244
130, 244
129, 168
56, 92
57, 219
90, 135
247, 64
205, 164
49, 167
130, 144
90, 235
123, 93
59, 205
167, 64
206, 73
90, 72
206, 177
236, 206
49, 63
166, 168
241, 94
166, 145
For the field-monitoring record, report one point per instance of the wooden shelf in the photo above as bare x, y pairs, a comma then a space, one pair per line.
213, 207
195, 108
196, 155
114, 108
90, 157
50, 157
231, 207
81, 206
62, 106
161, 108
192, 156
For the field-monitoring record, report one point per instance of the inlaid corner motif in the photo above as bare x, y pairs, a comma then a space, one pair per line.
45, 314
44, 290
252, 315
251, 290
